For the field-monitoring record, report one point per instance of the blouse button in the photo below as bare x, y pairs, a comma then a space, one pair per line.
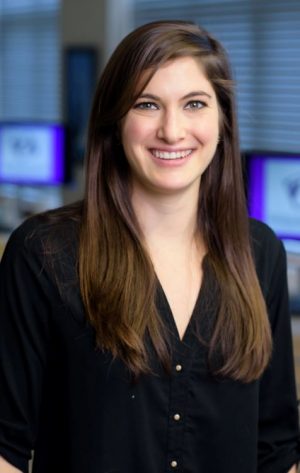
176, 417
174, 464
178, 368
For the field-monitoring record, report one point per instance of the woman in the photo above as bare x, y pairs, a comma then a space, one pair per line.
137, 326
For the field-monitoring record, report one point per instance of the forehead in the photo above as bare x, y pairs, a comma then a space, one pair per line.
180, 75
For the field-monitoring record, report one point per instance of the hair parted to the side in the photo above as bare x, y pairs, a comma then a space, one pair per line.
117, 278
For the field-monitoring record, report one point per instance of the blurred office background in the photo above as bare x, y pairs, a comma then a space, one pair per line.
52, 52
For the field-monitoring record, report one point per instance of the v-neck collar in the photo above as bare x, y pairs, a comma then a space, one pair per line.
203, 317
164, 305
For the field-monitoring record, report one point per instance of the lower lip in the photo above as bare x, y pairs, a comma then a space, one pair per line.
171, 163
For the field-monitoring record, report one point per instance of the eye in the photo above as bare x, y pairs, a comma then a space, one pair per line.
195, 105
146, 106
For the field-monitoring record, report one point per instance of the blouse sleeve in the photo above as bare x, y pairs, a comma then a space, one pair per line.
24, 337
278, 442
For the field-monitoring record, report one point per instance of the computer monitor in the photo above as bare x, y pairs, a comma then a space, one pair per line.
274, 191
32, 153
273, 188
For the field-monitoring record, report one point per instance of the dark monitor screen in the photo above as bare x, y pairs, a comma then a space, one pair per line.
32, 153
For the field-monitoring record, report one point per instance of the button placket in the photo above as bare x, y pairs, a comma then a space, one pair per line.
182, 351
179, 386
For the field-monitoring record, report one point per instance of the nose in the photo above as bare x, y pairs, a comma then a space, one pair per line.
171, 127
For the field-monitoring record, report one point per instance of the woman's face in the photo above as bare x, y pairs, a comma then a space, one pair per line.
170, 134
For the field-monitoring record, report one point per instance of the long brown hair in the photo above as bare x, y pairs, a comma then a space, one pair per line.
117, 278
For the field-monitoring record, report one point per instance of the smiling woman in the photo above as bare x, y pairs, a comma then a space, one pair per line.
137, 325
170, 134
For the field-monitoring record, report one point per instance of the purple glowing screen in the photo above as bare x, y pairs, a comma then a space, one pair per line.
32, 153
274, 191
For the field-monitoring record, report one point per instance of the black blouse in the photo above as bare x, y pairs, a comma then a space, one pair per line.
80, 411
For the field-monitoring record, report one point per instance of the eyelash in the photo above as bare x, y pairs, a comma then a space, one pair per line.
146, 106
199, 104
192, 105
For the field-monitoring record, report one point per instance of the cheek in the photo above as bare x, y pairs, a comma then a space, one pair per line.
210, 129
128, 133
135, 131
129, 130
133, 137
207, 134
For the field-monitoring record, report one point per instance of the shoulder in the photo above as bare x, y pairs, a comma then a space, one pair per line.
45, 245
42, 253
263, 239
269, 254
48, 232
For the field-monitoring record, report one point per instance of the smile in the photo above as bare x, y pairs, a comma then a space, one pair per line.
171, 155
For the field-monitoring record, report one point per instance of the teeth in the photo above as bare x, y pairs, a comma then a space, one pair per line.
172, 155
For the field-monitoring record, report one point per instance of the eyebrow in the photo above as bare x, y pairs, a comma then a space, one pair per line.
195, 93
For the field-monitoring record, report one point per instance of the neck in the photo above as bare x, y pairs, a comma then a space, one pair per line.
168, 217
